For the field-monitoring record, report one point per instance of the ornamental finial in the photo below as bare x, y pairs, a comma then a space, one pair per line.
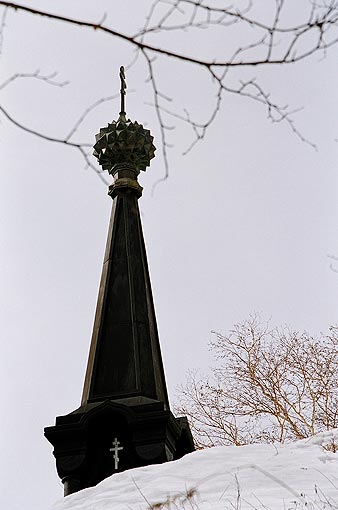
123, 90
124, 142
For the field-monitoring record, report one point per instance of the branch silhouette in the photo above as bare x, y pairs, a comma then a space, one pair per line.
273, 43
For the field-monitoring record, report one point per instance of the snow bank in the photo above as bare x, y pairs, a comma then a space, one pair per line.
292, 476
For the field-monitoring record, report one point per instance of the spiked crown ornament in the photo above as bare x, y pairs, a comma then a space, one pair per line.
124, 143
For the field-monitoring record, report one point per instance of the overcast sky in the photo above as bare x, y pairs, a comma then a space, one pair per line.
244, 224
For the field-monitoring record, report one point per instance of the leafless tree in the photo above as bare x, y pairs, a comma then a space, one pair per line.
269, 385
267, 37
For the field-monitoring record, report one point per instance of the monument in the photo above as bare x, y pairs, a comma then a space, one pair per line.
124, 420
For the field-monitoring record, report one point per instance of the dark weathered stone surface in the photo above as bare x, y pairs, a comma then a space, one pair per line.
82, 440
125, 353
124, 398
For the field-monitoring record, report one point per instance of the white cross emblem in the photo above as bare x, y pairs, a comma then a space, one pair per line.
116, 449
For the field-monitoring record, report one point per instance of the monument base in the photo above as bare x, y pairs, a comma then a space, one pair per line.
103, 438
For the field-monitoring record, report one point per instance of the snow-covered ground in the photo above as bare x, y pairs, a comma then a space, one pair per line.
301, 475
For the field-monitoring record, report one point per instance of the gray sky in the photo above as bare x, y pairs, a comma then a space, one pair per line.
243, 224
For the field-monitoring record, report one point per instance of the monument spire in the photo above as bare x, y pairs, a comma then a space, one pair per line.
124, 420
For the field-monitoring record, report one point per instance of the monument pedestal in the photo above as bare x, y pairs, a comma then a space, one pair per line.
100, 439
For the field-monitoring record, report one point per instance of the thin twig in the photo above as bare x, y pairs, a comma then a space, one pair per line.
78, 146
87, 111
48, 78
2, 28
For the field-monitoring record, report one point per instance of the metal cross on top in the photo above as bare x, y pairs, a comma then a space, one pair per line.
116, 448
123, 90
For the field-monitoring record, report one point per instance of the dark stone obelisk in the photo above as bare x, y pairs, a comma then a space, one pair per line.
124, 420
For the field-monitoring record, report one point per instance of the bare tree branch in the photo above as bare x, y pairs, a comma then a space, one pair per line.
269, 385
160, 119
273, 41
87, 111
81, 147
2, 28
328, 20
48, 78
